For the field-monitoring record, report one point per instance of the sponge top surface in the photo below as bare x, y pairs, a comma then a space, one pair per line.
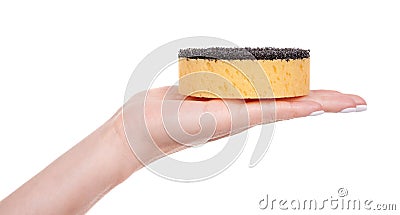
246, 53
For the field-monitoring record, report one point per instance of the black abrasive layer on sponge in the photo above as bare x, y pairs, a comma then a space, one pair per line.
225, 53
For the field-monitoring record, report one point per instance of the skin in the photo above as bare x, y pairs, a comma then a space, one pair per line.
74, 182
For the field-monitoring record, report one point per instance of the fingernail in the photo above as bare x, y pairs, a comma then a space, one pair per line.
348, 110
316, 113
360, 108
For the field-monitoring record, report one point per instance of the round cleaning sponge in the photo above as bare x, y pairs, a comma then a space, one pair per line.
244, 72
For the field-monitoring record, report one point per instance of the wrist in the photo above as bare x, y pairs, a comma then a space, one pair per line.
119, 150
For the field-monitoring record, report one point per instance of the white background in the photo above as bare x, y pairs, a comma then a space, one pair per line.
64, 67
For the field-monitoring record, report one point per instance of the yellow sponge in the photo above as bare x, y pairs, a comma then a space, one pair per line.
244, 72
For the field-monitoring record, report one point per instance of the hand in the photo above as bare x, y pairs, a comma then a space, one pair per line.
165, 119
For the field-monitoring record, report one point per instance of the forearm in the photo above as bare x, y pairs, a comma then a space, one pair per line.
79, 178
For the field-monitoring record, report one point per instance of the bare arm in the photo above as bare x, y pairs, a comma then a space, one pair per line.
80, 177
77, 179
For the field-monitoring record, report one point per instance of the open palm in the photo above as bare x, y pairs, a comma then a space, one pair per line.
173, 121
